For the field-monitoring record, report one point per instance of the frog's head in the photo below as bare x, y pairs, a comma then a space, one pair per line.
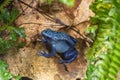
47, 33
51, 35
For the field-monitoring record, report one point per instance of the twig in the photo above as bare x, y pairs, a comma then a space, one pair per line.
82, 22
37, 24
22, 9
29, 23
84, 37
45, 14
58, 21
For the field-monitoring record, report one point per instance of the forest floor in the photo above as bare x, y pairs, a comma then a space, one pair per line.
27, 62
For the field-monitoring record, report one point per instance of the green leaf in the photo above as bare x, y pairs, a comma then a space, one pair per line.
4, 16
68, 2
106, 48
5, 74
13, 36
47, 1
11, 33
20, 32
13, 15
8, 17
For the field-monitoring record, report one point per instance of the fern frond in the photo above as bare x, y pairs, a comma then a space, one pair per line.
106, 48
9, 34
4, 3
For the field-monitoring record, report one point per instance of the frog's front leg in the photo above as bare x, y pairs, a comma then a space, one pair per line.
69, 56
48, 55
43, 40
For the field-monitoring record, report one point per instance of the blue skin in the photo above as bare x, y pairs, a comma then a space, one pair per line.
60, 43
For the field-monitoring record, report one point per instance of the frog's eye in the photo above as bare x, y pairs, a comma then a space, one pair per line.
47, 38
47, 32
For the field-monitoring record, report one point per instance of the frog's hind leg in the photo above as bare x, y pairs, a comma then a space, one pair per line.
69, 56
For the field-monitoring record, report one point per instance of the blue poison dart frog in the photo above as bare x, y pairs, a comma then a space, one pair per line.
60, 43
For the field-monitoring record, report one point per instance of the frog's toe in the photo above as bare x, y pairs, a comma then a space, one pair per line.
64, 61
41, 53
61, 61
43, 40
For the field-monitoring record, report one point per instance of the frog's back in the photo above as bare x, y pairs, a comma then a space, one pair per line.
55, 35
